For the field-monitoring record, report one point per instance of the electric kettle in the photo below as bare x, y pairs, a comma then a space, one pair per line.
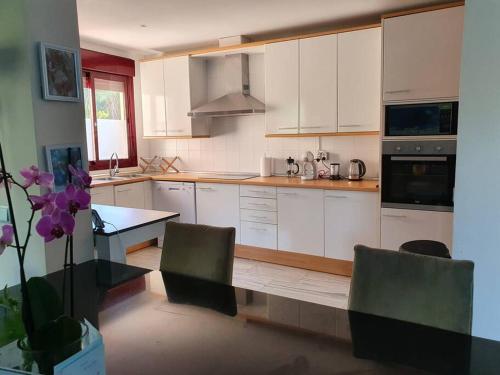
357, 169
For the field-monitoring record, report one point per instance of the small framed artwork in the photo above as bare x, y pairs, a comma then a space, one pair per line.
61, 73
58, 159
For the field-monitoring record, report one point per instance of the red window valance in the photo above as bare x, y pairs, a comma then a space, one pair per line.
106, 63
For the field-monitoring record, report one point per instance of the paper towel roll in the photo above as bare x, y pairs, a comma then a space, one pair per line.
265, 166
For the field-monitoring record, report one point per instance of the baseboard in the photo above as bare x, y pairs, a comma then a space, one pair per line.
309, 262
142, 245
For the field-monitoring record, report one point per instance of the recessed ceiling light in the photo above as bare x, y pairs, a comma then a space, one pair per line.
144, 25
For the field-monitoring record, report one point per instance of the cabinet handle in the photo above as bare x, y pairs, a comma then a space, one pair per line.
175, 131
92, 194
258, 204
397, 91
123, 191
395, 216
258, 229
206, 188
287, 127
336, 196
290, 194
351, 126
259, 192
258, 217
311, 127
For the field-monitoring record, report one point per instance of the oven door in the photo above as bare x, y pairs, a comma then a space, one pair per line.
423, 182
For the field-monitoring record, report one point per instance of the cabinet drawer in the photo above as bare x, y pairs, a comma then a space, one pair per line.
257, 191
266, 217
259, 235
260, 204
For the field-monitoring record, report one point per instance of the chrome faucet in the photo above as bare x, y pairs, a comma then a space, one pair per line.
113, 171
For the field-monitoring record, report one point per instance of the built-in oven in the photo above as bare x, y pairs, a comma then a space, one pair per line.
422, 119
418, 174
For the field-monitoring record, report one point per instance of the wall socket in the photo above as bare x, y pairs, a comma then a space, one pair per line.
321, 155
4, 214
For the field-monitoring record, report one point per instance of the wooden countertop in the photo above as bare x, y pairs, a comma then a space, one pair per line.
278, 181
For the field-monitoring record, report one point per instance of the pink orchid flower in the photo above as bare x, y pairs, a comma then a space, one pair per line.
32, 175
55, 225
7, 237
72, 199
80, 176
43, 202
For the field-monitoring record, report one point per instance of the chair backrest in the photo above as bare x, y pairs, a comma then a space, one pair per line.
416, 288
200, 251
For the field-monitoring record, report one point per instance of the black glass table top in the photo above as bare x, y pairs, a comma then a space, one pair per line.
165, 323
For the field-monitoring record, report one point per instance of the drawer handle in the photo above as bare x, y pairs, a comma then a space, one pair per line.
289, 194
123, 191
336, 196
260, 192
258, 229
351, 126
92, 194
258, 204
397, 91
395, 216
258, 217
310, 127
287, 127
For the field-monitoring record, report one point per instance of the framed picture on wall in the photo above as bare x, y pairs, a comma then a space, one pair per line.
60, 72
58, 159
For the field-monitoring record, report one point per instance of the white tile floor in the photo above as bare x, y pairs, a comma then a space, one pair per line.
310, 286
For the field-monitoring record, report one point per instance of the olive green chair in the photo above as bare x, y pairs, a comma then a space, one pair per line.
200, 251
416, 288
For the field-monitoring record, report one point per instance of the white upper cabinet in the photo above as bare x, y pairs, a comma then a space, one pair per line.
422, 54
359, 80
185, 88
282, 87
153, 99
318, 84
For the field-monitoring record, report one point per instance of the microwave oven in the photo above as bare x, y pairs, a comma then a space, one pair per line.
414, 120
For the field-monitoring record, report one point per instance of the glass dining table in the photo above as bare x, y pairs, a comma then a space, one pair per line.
157, 322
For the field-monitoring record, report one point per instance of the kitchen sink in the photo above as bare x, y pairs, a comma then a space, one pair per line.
115, 178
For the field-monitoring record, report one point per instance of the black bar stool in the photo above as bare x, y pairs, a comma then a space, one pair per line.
426, 247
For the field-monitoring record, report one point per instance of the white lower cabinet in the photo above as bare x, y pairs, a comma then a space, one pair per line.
130, 195
351, 218
259, 234
218, 205
301, 221
103, 195
399, 226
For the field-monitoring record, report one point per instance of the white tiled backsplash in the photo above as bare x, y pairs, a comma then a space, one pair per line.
237, 143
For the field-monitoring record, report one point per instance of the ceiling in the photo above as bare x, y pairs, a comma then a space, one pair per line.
167, 25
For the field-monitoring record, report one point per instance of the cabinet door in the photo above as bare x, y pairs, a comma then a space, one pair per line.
282, 87
218, 205
400, 226
258, 234
360, 76
301, 221
130, 195
177, 96
351, 218
318, 84
153, 99
422, 54
103, 195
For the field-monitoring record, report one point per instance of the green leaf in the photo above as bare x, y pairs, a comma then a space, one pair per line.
46, 306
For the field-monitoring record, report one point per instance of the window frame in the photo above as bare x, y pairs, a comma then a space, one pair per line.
131, 161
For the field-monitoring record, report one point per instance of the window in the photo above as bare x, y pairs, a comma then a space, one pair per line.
109, 118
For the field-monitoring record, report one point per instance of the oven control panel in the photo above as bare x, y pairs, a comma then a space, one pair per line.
448, 147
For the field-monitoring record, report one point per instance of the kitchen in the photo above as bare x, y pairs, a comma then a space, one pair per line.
331, 98
273, 192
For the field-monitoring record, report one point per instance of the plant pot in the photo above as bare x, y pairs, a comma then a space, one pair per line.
43, 361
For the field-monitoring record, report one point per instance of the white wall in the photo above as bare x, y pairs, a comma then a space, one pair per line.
237, 143
477, 194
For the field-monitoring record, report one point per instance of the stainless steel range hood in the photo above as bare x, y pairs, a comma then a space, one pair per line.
237, 101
